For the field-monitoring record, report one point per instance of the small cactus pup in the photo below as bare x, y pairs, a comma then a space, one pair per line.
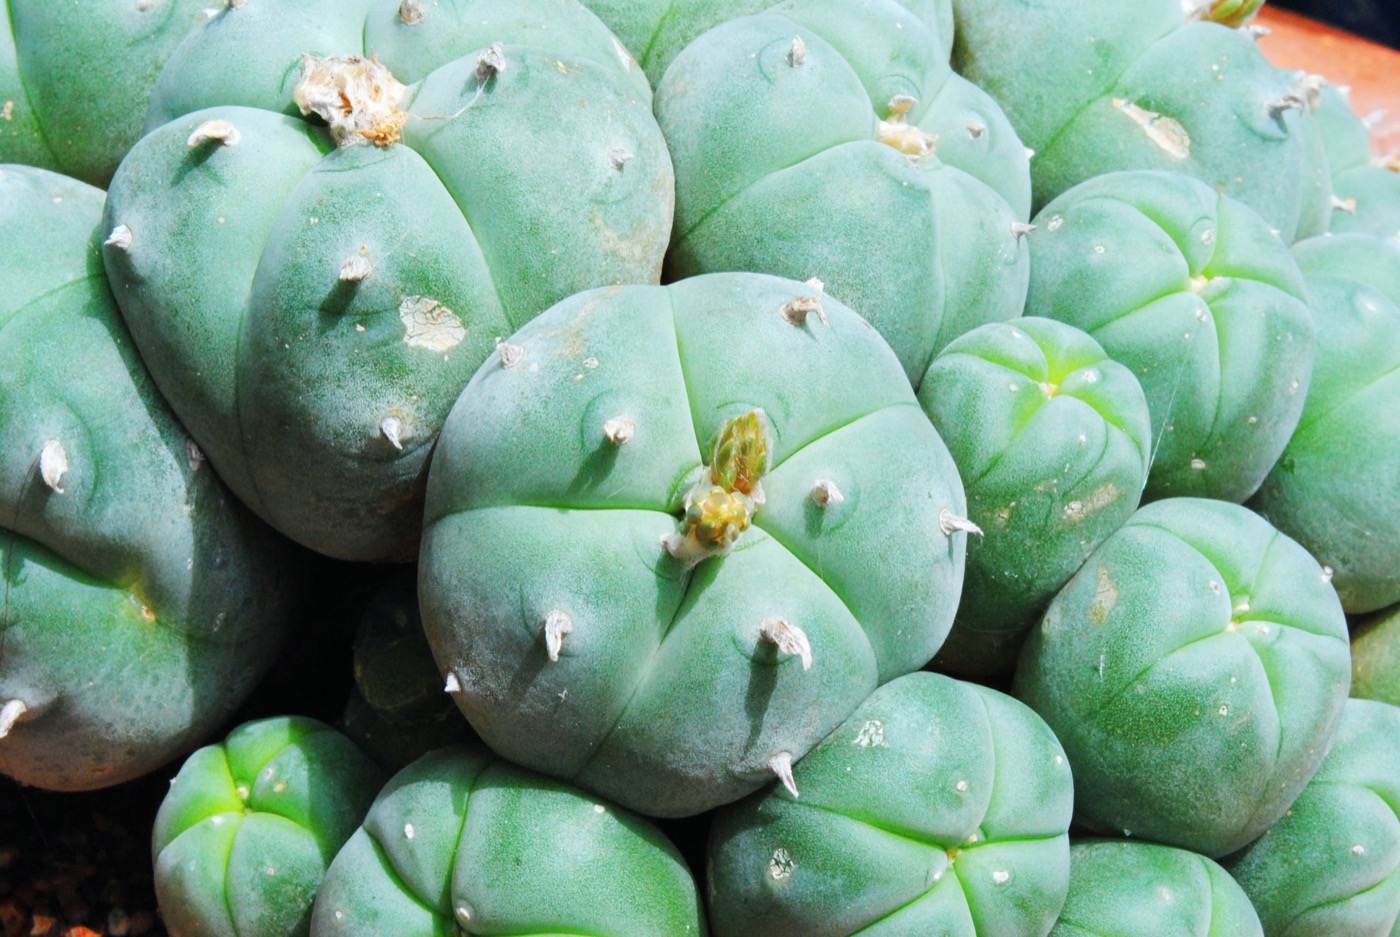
1331, 865
461, 842
937, 807
1365, 187
1099, 86
1129, 889
251, 824
1195, 670
142, 602
1052, 440
657, 30
1336, 487
398, 710
316, 278
1375, 656
1194, 293
830, 139
674, 535
76, 79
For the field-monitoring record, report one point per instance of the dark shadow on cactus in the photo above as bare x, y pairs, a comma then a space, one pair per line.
596, 468
762, 681
337, 301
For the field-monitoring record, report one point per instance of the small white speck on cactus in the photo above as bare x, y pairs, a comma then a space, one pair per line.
411, 12
9, 715
1030, 153
787, 638
357, 97
511, 355
1347, 205
53, 464
194, 455
557, 624
797, 55
464, 914
1020, 229
619, 430
356, 268
825, 492
950, 523
220, 131
797, 309
619, 156
781, 766
453, 684
120, 238
491, 62
391, 428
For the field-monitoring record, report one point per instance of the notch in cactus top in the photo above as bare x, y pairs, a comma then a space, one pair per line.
896, 131
720, 506
357, 97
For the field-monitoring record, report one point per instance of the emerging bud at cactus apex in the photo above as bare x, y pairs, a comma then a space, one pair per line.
720, 506
1232, 13
356, 96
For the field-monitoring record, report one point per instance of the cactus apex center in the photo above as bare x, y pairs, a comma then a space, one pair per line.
357, 97
9, 715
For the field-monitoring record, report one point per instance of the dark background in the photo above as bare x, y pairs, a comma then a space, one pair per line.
1377, 20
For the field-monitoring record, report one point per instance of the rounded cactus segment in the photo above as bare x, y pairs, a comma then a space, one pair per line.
1331, 865
1193, 293
719, 614
251, 825
141, 602
1365, 187
1375, 657
1195, 670
367, 258
1123, 889
936, 807
462, 842
1053, 441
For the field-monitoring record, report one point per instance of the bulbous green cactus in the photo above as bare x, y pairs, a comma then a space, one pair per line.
462, 842
76, 79
141, 602
1375, 656
1052, 439
619, 599
314, 293
1202, 302
1195, 670
830, 139
937, 807
1365, 187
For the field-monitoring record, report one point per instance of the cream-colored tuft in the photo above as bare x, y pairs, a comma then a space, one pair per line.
120, 238
411, 12
619, 430
797, 309
511, 355
781, 765
491, 62
9, 715
825, 492
557, 624
391, 428
219, 130
950, 523
787, 638
355, 268
797, 55
53, 465
357, 97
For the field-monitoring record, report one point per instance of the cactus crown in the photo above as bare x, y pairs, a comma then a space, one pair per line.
740, 454
719, 508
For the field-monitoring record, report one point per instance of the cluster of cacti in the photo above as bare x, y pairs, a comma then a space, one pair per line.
701, 423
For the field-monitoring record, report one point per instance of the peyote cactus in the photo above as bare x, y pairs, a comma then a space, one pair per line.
141, 602
830, 139
1194, 293
314, 293
251, 824
674, 535
1365, 188
462, 842
76, 79
1195, 670
937, 807
1375, 656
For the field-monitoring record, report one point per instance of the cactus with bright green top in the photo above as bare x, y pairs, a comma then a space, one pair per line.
1099, 85
830, 139
674, 535
1052, 439
937, 807
1195, 670
313, 293
1193, 292
141, 602
76, 79
463, 842
251, 824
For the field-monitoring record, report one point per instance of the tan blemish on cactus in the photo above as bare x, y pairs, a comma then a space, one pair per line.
825, 492
429, 324
720, 506
951, 523
1098, 499
781, 766
897, 132
411, 12
787, 638
10, 714
357, 97
1165, 132
619, 430
357, 267
781, 865
557, 624
120, 238
871, 734
1105, 597
53, 465
7, 113
220, 131
797, 309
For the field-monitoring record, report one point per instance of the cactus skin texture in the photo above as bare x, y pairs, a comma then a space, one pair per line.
1193, 293
1336, 487
462, 842
251, 824
76, 79
1375, 656
1127, 889
314, 309
937, 807
1099, 86
586, 637
141, 602
829, 139
1365, 188
1052, 440
1194, 670
1332, 864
